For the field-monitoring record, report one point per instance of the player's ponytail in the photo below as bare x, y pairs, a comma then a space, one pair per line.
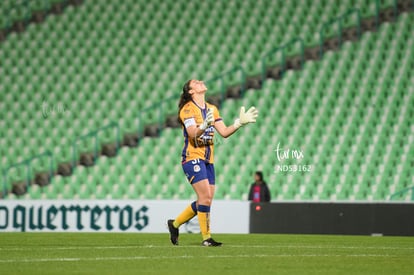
184, 98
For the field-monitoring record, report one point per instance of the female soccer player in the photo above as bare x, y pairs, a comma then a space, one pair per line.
199, 120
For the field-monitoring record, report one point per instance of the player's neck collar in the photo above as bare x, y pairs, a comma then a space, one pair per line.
202, 108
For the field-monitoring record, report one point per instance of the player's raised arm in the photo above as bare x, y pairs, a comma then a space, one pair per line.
244, 118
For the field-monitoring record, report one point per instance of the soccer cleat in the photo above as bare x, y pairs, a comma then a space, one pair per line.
210, 242
174, 233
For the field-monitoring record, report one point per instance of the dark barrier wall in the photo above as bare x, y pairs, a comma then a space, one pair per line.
333, 218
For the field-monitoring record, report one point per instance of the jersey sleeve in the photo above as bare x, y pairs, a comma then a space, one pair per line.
187, 116
216, 114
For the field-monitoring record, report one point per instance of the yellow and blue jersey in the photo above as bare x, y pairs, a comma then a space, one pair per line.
201, 147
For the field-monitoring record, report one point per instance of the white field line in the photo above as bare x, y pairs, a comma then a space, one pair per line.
37, 248
136, 258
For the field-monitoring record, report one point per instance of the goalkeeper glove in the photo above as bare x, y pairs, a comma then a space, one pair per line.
246, 117
208, 121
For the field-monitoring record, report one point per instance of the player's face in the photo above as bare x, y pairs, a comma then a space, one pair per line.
198, 86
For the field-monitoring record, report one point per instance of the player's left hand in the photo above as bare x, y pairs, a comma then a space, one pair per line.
246, 117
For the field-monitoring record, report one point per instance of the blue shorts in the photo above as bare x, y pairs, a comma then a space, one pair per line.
197, 170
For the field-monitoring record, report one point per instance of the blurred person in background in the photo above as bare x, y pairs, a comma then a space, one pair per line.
259, 192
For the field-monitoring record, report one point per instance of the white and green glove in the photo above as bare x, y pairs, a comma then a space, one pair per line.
209, 119
246, 117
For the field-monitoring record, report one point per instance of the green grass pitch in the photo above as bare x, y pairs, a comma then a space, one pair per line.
102, 253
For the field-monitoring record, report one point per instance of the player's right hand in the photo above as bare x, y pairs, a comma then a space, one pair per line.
209, 119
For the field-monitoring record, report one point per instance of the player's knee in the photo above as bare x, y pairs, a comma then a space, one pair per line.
205, 200
208, 201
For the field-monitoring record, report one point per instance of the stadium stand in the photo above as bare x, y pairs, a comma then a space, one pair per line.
17, 14
101, 62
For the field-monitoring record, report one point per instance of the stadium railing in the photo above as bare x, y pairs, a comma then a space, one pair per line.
378, 9
94, 135
282, 49
401, 193
339, 20
28, 164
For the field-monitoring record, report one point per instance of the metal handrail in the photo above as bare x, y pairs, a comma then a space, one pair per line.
378, 9
403, 191
94, 134
282, 49
27, 163
339, 20
220, 78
